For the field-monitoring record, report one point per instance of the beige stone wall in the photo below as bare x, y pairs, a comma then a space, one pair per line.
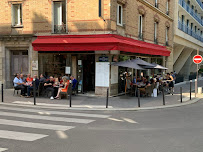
37, 16
131, 15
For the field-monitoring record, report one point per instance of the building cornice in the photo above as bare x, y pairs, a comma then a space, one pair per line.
155, 9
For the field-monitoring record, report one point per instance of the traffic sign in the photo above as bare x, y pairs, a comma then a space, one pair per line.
197, 59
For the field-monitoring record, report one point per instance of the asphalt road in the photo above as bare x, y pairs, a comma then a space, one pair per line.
177, 129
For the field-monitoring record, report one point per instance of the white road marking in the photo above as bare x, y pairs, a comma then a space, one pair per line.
60, 105
114, 119
51, 118
56, 112
20, 135
34, 125
61, 134
129, 120
3, 149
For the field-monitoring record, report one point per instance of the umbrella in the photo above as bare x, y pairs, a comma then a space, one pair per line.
156, 66
141, 62
128, 64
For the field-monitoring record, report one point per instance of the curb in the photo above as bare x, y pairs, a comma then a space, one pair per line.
105, 109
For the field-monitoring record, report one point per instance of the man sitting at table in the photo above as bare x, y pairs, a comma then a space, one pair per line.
19, 84
74, 82
49, 86
42, 78
29, 88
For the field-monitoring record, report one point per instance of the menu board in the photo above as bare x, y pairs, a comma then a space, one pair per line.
114, 74
102, 74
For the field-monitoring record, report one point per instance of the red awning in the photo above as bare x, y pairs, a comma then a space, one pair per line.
97, 43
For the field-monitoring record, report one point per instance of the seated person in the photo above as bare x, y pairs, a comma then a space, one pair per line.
64, 89
56, 81
19, 84
74, 82
49, 86
31, 86
42, 78
29, 79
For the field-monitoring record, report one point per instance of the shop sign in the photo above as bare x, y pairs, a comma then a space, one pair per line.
103, 59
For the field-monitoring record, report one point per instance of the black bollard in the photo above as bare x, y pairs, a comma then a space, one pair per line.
181, 96
107, 98
138, 97
190, 89
70, 97
163, 97
2, 92
34, 92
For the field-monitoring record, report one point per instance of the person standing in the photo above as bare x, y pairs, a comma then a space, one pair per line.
170, 83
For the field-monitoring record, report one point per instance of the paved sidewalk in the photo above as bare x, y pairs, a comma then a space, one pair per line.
94, 102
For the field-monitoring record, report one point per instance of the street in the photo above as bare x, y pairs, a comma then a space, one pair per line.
24, 129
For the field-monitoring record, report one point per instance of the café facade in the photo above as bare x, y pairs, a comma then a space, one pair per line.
88, 58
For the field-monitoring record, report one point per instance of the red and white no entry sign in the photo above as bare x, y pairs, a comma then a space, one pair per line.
197, 59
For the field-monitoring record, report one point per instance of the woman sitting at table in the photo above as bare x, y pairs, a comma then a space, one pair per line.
64, 89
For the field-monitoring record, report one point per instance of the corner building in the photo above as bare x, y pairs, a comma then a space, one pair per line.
188, 37
82, 38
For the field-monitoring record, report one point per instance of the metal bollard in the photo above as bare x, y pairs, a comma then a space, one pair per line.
107, 98
138, 97
190, 89
2, 92
70, 103
163, 97
181, 96
34, 92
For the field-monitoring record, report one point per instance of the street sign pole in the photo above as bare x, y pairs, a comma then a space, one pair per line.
197, 62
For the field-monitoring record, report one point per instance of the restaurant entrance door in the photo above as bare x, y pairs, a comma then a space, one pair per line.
88, 73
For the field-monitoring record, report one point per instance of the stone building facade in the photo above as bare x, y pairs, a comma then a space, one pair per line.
23, 21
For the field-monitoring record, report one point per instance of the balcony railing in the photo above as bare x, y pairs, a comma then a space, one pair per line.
200, 3
60, 28
155, 40
140, 36
183, 27
190, 11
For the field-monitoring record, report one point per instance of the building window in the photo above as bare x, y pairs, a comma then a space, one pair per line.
120, 15
167, 31
167, 7
16, 14
59, 17
140, 27
155, 33
100, 8
156, 4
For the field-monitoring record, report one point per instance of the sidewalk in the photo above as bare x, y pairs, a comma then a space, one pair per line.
83, 102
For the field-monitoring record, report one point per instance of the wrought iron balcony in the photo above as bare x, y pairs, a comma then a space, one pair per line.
167, 43
157, 5
183, 27
60, 28
140, 36
191, 11
155, 40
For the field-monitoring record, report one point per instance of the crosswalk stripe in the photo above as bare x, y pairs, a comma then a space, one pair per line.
20, 135
57, 112
34, 125
3, 149
63, 119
